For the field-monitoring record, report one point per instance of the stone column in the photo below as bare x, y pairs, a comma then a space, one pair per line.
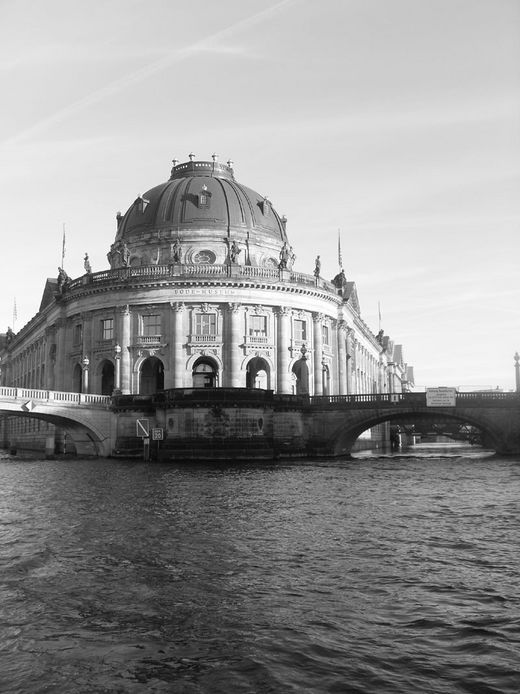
233, 379
283, 317
342, 357
125, 342
86, 320
391, 377
179, 310
350, 351
61, 362
317, 321
353, 364
382, 374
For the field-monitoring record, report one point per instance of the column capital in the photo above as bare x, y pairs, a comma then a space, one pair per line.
178, 306
283, 311
125, 310
234, 307
317, 317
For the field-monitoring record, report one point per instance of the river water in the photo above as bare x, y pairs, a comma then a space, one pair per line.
371, 576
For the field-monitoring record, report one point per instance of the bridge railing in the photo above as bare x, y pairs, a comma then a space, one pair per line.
54, 396
469, 399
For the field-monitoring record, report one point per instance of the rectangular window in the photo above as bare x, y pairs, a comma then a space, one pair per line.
325, 334
107, 329
205, 324
78, 334
258, 326
151, 325
300, 330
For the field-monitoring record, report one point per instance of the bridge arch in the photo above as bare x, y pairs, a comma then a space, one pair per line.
343, 436
86, 418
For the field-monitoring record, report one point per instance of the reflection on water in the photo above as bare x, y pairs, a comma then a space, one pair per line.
366, 575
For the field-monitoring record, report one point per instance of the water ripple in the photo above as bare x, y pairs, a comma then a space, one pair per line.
384, 575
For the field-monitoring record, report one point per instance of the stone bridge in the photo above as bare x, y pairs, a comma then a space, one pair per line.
335, 422
86, 418
233, 422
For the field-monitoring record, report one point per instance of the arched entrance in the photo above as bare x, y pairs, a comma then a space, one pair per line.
204, 374
152, 376
257, 374
107, 377
77, 379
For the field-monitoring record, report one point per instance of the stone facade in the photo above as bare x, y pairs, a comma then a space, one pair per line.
201, 292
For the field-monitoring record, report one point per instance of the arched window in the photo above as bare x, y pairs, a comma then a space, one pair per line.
204, 374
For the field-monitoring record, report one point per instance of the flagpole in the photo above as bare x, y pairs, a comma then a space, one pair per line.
63, 247
340, 259
15, 315
379, 311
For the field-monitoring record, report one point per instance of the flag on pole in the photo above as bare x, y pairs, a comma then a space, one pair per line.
15, 313
63, 246
379, 311
340, 259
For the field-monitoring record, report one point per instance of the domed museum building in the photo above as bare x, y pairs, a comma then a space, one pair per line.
201, 292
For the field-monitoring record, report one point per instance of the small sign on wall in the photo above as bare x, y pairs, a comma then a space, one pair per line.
441, 397
142, 428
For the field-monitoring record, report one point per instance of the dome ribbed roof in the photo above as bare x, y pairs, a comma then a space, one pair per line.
202, 195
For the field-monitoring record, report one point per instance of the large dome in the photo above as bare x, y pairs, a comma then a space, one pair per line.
200, 215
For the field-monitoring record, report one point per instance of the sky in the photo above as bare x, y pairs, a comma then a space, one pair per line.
394, 121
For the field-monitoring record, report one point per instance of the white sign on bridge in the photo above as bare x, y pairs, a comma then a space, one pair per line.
441, 397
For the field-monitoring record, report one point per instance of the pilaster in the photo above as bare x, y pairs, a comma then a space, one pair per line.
283, 317
233, 379
125, 343
179, 311
317, 320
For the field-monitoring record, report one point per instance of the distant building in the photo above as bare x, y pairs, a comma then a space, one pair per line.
201, 292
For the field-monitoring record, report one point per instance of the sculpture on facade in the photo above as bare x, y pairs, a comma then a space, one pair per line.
175, 251
234, 251
87, 265
284, 256
317, 267
63, 280
292, 258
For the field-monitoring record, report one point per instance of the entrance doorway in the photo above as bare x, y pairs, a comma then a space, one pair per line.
77, 380
204, 374
257, 374
107, 377
152, 376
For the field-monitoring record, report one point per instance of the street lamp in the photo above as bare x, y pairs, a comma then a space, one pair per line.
85, 364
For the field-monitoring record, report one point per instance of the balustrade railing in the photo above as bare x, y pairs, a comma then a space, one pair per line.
179, 271
53, 396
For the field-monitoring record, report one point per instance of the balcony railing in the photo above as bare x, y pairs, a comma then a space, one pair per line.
180, 272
